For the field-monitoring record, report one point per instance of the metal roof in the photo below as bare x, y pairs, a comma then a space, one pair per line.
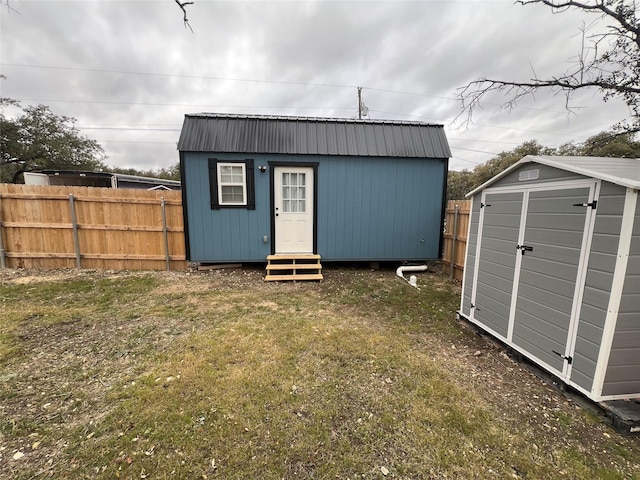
120, 176
621, 171
217, 133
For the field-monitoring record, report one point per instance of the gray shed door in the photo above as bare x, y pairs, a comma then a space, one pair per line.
500, 219
548, 273
529, 275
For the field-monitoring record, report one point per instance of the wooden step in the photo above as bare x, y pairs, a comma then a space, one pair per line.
296, 266
294, 277
293, 267
294, 256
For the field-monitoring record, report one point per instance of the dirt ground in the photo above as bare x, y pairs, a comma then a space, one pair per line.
40, 395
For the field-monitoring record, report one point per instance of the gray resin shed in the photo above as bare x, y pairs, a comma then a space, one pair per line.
553, 268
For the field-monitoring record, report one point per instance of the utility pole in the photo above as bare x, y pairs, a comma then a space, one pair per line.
359, 103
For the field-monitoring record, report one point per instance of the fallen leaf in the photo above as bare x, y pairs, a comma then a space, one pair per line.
18, 455
384, 470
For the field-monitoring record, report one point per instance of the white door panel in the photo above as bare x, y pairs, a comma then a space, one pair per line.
293, 204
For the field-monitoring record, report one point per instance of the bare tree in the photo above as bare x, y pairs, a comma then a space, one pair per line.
183, 7
10, 8
608, 61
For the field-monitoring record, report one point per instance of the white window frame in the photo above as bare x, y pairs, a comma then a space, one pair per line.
232, 184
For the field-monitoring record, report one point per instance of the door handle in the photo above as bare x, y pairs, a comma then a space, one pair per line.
524, 248
569, 359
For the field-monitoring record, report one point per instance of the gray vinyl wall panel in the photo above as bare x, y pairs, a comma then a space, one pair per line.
554, 230
472, 243
600, 269
545, 174
496, 265
623, 370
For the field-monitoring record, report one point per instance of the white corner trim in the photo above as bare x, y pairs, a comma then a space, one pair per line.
581, 279
615, 296
474, 285
466, 256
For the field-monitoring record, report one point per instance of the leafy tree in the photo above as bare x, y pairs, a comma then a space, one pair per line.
503, 160
609, 62
459, 183
39, 139
603, 144
606, 144
169, 173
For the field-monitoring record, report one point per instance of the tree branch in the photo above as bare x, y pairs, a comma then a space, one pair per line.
610, 63
183, 7
10, 8
598, 6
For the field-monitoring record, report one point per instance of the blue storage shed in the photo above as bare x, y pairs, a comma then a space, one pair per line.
257, 188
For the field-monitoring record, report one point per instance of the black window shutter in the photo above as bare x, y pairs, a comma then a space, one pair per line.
251, 190
249, 179
213, 183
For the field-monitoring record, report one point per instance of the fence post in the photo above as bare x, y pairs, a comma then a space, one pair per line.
454, 240
2, 252
166, 235
76, 242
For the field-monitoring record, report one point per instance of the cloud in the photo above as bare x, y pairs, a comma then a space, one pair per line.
292, 58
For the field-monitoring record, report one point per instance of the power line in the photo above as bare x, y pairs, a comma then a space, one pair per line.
134, 141
129, 128
154, 104
472, 150
174, 75
465, 160
482, 141
253, 80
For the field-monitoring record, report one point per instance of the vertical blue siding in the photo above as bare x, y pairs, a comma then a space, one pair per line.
228, 234
379, 209
368, 208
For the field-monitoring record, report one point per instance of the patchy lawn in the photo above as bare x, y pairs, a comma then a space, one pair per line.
220, 375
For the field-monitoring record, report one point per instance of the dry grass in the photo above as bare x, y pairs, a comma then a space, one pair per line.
222, 376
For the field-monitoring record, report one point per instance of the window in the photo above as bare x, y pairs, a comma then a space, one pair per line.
294, 192
231, 184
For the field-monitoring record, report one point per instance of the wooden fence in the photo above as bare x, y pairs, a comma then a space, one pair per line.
455, 237
88, 227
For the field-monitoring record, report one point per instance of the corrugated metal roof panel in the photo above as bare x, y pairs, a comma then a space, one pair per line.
312, 136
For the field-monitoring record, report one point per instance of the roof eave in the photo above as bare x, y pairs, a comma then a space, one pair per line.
551, 162
527, 159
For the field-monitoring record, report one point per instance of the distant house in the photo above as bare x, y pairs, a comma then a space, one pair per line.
553, 268
98, 179
345, 190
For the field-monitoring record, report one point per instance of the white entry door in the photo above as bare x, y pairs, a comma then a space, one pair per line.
293, 204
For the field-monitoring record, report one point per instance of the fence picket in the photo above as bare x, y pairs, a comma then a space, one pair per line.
115, 229
455, 243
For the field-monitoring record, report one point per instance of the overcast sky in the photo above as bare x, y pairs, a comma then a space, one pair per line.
128, 71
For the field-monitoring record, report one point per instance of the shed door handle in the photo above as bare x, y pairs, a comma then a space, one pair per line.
524, 248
